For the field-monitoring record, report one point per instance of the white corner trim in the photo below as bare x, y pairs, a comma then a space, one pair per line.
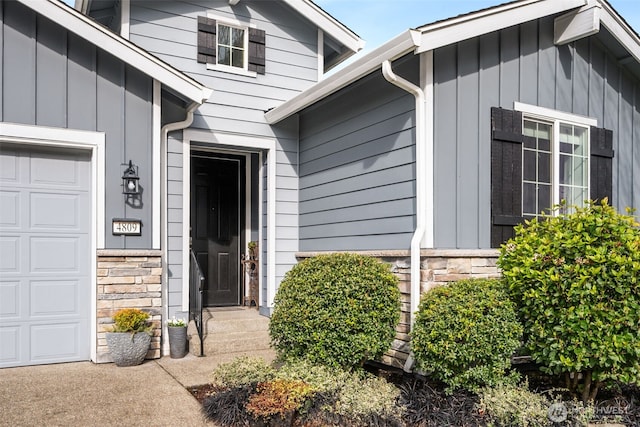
125, 16
126, 51
320, 54
239, 143
156, 155
83, 140
547, 113
453, 30
393, 49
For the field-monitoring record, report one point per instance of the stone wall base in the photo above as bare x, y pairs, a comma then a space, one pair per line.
437, 267
128, 279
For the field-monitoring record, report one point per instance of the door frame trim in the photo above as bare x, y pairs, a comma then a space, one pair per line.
79, 140
236, 144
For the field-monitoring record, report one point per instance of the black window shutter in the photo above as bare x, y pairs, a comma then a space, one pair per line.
206, 40
506, 174
256, 50
601, 167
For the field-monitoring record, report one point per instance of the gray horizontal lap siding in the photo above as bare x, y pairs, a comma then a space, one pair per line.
357, 167
50, 77
237, 106
520, 64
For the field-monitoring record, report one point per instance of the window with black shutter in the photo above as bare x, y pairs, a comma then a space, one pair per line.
540, 158
230, 47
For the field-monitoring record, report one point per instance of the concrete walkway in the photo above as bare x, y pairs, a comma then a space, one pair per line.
84, 394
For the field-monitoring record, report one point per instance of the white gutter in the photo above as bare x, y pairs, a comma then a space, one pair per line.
170, 127
421, 178
393, 49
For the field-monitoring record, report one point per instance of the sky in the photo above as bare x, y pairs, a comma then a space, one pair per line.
378, 21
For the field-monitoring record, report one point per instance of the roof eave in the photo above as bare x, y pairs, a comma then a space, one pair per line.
84, 27
444, 33
402, 44
620, 30
328, 24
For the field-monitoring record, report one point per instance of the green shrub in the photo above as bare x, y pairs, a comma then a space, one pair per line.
465, 333
575, 279
338, 309
131, 320
315, 394
515, 406
242, 371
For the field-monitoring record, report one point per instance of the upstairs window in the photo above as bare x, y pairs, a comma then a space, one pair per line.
231, 47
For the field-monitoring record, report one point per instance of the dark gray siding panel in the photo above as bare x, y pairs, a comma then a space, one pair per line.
51, 86
357, 167
50, 77
521, 64
19, 64
81, 70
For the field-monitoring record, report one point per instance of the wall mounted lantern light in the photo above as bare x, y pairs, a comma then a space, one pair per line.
130, 180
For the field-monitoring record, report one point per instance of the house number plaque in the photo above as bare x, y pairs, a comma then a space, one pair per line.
126, 227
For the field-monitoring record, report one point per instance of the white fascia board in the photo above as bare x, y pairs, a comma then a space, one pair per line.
327, 23
393, 49
487, 21
126, 51
620, 30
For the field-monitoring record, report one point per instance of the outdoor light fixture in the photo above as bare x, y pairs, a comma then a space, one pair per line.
130, 180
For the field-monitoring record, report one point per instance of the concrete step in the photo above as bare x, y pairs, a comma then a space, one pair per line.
230, 331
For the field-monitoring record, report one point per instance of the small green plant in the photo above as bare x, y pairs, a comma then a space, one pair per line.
576, 279
242, 371
510, 405
131, 320
339, 309
176, 322
465, 334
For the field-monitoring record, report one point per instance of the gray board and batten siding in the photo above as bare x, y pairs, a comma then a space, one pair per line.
237, 106
357, 166
521, 63
51, 77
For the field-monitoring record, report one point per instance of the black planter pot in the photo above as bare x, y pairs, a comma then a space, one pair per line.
177, 341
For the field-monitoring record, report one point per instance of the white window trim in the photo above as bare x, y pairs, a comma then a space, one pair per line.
84, 140
555, 118
234, 23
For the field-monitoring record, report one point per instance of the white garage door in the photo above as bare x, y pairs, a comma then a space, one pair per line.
45, 259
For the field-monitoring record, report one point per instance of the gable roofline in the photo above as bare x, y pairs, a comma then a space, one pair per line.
105, 39
327, 23
619, 28
425, 38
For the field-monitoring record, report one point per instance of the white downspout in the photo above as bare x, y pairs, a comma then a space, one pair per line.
164, 135
421, 195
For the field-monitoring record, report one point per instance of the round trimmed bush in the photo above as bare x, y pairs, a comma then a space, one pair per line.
575, 278
465, 333
338, 310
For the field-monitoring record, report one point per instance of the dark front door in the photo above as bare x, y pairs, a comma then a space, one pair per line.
216, 190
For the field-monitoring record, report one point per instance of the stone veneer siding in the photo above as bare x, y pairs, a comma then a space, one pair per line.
437, 267
128, 279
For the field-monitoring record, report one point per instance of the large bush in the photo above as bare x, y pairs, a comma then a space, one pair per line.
465, 333
339, 309
575, 278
